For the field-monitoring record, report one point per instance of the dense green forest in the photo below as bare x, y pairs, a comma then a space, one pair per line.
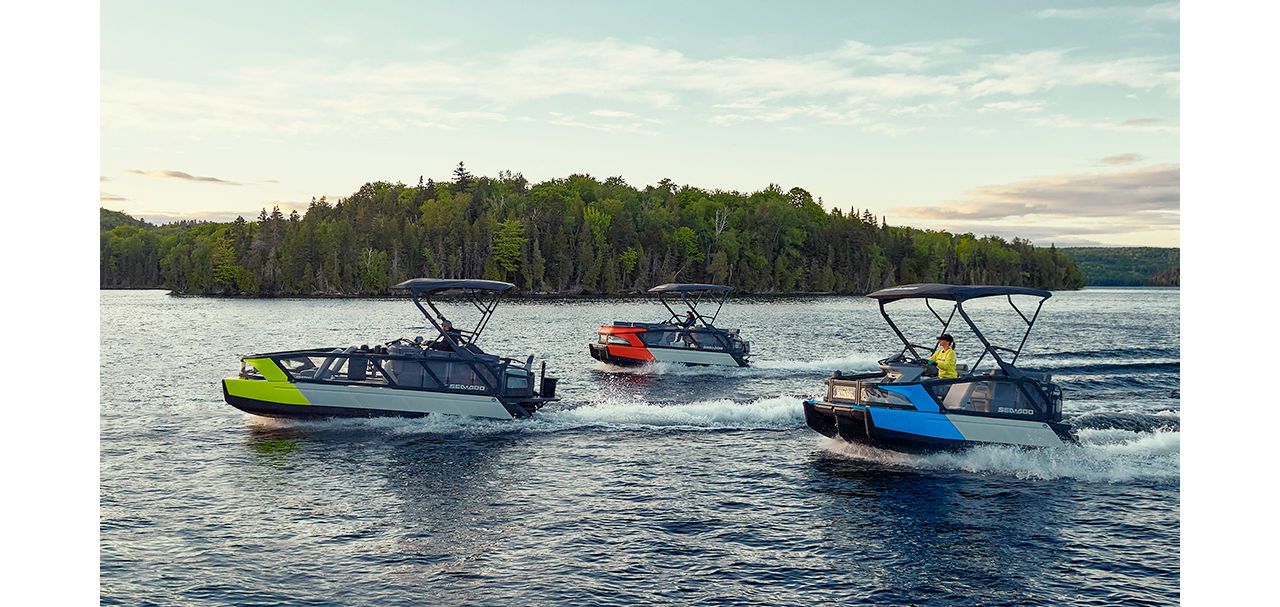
576, 235
1127, 266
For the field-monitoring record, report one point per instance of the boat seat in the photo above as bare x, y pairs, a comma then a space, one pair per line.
333, 364
958, 396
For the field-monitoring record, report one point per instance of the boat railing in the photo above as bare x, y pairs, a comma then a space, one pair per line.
702, 338
423, 369
995, 395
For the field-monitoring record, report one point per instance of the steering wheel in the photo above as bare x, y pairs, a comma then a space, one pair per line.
920, 347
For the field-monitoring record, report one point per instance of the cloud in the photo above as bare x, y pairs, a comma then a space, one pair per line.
105, 197
1141, 125
1164, 11
1117, 202
912, 56
1138, 125
1122, 159
1025, 105
612, 114
821, 113
853, 79
168, 174
1038, 71
560, 119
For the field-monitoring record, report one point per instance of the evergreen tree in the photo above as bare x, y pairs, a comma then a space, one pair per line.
573, 234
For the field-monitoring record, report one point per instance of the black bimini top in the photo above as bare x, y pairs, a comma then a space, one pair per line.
433, 285
685, 288
951, 292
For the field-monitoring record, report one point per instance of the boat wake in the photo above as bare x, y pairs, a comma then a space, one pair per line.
777, 413
847, 364
1103, 455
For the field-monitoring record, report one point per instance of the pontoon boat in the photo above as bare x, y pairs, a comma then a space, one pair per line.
409, 378
899, 407
691, 338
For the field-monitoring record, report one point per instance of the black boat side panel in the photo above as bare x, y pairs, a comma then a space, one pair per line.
283, 410
267, 409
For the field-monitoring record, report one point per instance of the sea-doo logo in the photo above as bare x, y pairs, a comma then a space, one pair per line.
465, 387
1015, 411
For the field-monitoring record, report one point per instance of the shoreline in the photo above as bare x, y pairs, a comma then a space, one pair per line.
556, 296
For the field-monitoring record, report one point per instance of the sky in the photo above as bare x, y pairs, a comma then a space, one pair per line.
1057, 122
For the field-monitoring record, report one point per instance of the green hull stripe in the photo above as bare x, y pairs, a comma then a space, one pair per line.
284, 393
268, 369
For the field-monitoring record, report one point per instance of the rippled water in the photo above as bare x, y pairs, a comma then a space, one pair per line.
671, 485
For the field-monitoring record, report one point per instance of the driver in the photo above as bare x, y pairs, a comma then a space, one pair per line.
687, 336
944, 357
443, 344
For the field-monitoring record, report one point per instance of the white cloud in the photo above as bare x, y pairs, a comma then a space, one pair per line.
819, 113
1037, 71
1164, 11
633, 127
853, 84
911, 57
1025, 105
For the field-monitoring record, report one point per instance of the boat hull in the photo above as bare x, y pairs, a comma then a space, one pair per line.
922, 431
632, 356
314, 400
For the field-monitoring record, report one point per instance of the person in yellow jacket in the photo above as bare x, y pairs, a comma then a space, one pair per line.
944, 357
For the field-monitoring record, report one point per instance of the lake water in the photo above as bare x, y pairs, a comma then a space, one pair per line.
678, 485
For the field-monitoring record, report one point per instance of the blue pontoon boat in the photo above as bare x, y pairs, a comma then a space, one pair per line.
902, 407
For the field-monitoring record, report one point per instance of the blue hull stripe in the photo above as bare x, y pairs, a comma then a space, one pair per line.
919, 397
931, 425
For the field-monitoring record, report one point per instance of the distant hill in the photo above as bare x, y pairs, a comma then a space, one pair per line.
1127, 266
568, 236
112, 219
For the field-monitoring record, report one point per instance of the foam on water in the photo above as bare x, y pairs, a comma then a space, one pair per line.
859, 363
782, 412
846, 363
1109, 456
778, 413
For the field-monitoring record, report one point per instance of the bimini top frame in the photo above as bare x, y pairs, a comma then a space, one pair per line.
959, 294
483, 294
692, 295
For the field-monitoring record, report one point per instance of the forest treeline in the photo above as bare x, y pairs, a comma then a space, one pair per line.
1128, 266
576, 235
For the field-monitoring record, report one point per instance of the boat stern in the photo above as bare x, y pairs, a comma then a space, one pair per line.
837, 421
620, 345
